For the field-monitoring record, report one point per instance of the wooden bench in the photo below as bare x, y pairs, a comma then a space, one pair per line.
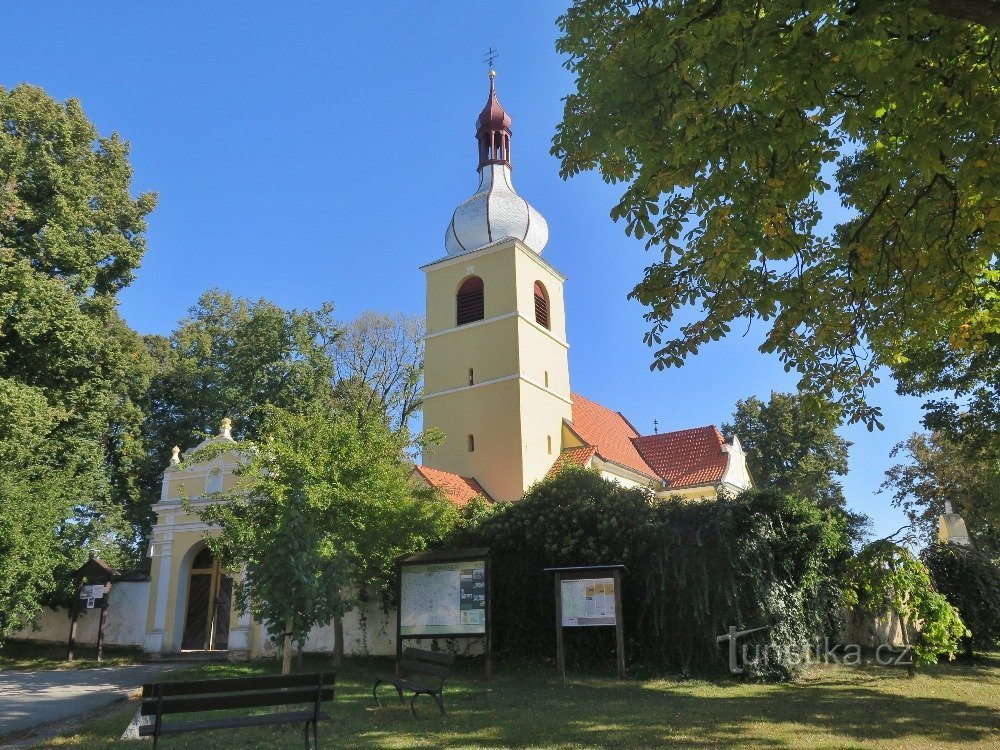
161, 699
423, 672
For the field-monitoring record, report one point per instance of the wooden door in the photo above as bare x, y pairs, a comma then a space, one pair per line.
209, 605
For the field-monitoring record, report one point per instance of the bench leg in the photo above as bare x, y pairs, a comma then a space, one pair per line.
437, 699
305, 734
399, 692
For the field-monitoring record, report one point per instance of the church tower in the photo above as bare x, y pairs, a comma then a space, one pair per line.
496, 375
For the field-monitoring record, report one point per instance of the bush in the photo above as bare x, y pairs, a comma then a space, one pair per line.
694, 569
971, 582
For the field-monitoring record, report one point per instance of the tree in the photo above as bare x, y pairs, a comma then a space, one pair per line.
939, 471
885, 577
383, 355
322, 507
729, 120
793, 447
971, 581
970, 415
33, 503
71, 237
228, 358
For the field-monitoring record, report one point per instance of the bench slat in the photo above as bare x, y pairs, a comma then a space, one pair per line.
239, 684
425, 655
293, 717
418, 666
183, 704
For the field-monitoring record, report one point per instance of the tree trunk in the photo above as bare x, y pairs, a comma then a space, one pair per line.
338, 641
286, 656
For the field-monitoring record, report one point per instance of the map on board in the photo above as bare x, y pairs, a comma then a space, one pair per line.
588, 602
442, 598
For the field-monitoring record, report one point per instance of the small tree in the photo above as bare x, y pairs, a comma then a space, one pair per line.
885, 577
322, 505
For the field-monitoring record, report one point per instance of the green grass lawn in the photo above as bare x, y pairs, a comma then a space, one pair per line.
952, 705
36, 656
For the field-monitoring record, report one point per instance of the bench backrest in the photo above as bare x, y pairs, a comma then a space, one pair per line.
193, 696
433, 663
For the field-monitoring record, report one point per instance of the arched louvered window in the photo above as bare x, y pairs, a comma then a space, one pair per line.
541, 305
469, 301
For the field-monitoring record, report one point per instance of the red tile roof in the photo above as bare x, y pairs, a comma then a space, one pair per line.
572, 457
686, 457
610, 433
460, 490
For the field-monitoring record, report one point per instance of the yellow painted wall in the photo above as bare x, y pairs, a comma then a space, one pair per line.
513, 418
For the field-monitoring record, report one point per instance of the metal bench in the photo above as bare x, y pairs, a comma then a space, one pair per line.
161, 699
423, 672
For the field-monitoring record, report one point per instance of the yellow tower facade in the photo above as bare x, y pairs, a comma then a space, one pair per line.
498, 386
496, 373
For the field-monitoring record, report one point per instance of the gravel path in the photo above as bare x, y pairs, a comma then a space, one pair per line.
32, 699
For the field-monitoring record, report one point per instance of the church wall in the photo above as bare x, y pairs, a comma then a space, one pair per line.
493, 265
489, 348
490, 413
530, 268
125, 625
541, 430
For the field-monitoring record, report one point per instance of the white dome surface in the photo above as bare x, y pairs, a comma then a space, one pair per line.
495, 213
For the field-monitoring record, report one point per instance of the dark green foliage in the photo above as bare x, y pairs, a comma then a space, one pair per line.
693, 568
971, 581
229, 358
71, 371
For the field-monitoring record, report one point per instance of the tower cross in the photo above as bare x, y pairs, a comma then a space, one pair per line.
490, 56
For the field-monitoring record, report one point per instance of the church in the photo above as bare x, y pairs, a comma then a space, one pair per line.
496, 377
496, 384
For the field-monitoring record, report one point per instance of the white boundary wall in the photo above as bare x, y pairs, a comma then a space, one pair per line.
125, 625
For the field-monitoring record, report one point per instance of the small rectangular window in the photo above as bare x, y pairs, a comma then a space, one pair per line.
472, 443
546, 378
472, 377
549, 439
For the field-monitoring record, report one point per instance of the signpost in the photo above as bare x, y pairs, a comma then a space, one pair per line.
90, 596
445, 595
589, 596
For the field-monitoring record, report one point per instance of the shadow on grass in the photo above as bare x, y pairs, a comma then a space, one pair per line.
528, 706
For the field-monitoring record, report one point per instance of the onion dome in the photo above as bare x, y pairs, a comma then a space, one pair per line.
495, 212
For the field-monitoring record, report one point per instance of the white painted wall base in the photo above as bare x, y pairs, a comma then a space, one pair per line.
125, 624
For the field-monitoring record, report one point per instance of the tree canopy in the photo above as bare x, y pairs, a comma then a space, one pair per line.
937, 471
323, 506
792, 447
71, 371
729, 120
228, 358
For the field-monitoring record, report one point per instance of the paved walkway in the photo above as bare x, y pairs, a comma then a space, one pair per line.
31, 699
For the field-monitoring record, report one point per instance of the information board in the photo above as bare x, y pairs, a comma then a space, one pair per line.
588, 602
445, 598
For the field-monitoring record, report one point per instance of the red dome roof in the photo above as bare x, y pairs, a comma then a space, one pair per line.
493, 116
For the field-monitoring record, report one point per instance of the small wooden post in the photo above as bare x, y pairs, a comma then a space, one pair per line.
619, 623
103, 617
489, 620
399, 616
560, 650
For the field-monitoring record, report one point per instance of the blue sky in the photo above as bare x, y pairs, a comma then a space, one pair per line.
312, 151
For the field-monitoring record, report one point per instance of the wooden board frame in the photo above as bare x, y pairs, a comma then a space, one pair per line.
460, 555
590, 571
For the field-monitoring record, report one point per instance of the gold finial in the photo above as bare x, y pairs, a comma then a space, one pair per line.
175, 459
493, 74
227, 426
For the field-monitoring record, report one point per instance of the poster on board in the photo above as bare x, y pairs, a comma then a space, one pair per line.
443, 598
588, 602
